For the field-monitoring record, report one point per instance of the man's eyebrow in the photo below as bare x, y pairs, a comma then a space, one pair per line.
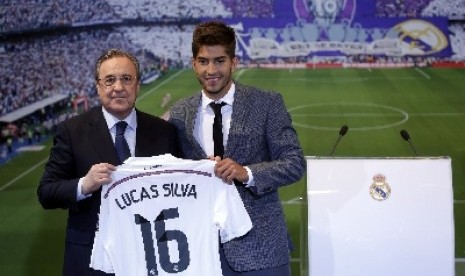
220, 57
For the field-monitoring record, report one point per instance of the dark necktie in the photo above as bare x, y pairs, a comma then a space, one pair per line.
121, 145
218, 129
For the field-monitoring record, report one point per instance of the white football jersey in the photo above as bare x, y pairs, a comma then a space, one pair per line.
161, 216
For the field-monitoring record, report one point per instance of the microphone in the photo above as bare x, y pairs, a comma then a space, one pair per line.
406, 137
342, 132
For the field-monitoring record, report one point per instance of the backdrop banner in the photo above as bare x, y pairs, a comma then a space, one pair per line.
337, 28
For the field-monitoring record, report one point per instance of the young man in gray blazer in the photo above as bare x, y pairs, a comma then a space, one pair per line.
84, 154
261, 150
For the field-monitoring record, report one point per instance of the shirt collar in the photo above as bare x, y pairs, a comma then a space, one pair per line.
228, 98
111, 120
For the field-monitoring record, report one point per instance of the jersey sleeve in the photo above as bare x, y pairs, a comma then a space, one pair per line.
230, 214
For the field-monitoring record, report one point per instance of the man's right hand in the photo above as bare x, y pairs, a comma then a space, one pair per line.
98, 175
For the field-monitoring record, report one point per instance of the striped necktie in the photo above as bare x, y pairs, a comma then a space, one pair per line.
121, 145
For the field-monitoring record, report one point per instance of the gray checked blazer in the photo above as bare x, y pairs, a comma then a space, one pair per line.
261, 136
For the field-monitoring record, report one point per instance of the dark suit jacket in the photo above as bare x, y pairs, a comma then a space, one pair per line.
79, 143
261, 136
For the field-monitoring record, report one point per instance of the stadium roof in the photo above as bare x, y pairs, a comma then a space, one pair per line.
24, 111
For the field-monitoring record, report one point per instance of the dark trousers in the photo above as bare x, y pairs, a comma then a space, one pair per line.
77, 259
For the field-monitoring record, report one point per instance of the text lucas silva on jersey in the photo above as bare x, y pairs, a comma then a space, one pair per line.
153, 191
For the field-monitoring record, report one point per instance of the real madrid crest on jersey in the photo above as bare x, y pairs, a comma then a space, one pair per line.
380, 189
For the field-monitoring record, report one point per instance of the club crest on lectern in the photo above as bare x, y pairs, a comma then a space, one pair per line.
380, 189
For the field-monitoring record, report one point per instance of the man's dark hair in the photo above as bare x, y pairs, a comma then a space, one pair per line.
111, 53
214, 33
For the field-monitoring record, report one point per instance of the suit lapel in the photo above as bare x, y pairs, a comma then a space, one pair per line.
241, 107
192, 107
140, 135
144, 135
103, 145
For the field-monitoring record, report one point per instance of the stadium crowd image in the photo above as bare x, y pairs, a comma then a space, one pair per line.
376, 67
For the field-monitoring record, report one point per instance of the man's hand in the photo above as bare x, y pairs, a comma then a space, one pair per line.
228, 170
98, 175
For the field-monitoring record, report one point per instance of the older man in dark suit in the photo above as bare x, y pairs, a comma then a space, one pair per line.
257, 150
88, 147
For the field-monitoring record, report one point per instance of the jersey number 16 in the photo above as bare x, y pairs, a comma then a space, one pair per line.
163, 236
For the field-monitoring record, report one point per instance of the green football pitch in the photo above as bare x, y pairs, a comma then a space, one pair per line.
375, 104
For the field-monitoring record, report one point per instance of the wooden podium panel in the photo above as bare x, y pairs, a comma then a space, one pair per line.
380, 216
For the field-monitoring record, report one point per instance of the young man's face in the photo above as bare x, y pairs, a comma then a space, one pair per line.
214, 69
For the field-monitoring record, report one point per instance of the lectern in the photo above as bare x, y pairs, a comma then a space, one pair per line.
380, 216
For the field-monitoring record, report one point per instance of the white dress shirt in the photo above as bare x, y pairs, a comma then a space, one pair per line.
203, 125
